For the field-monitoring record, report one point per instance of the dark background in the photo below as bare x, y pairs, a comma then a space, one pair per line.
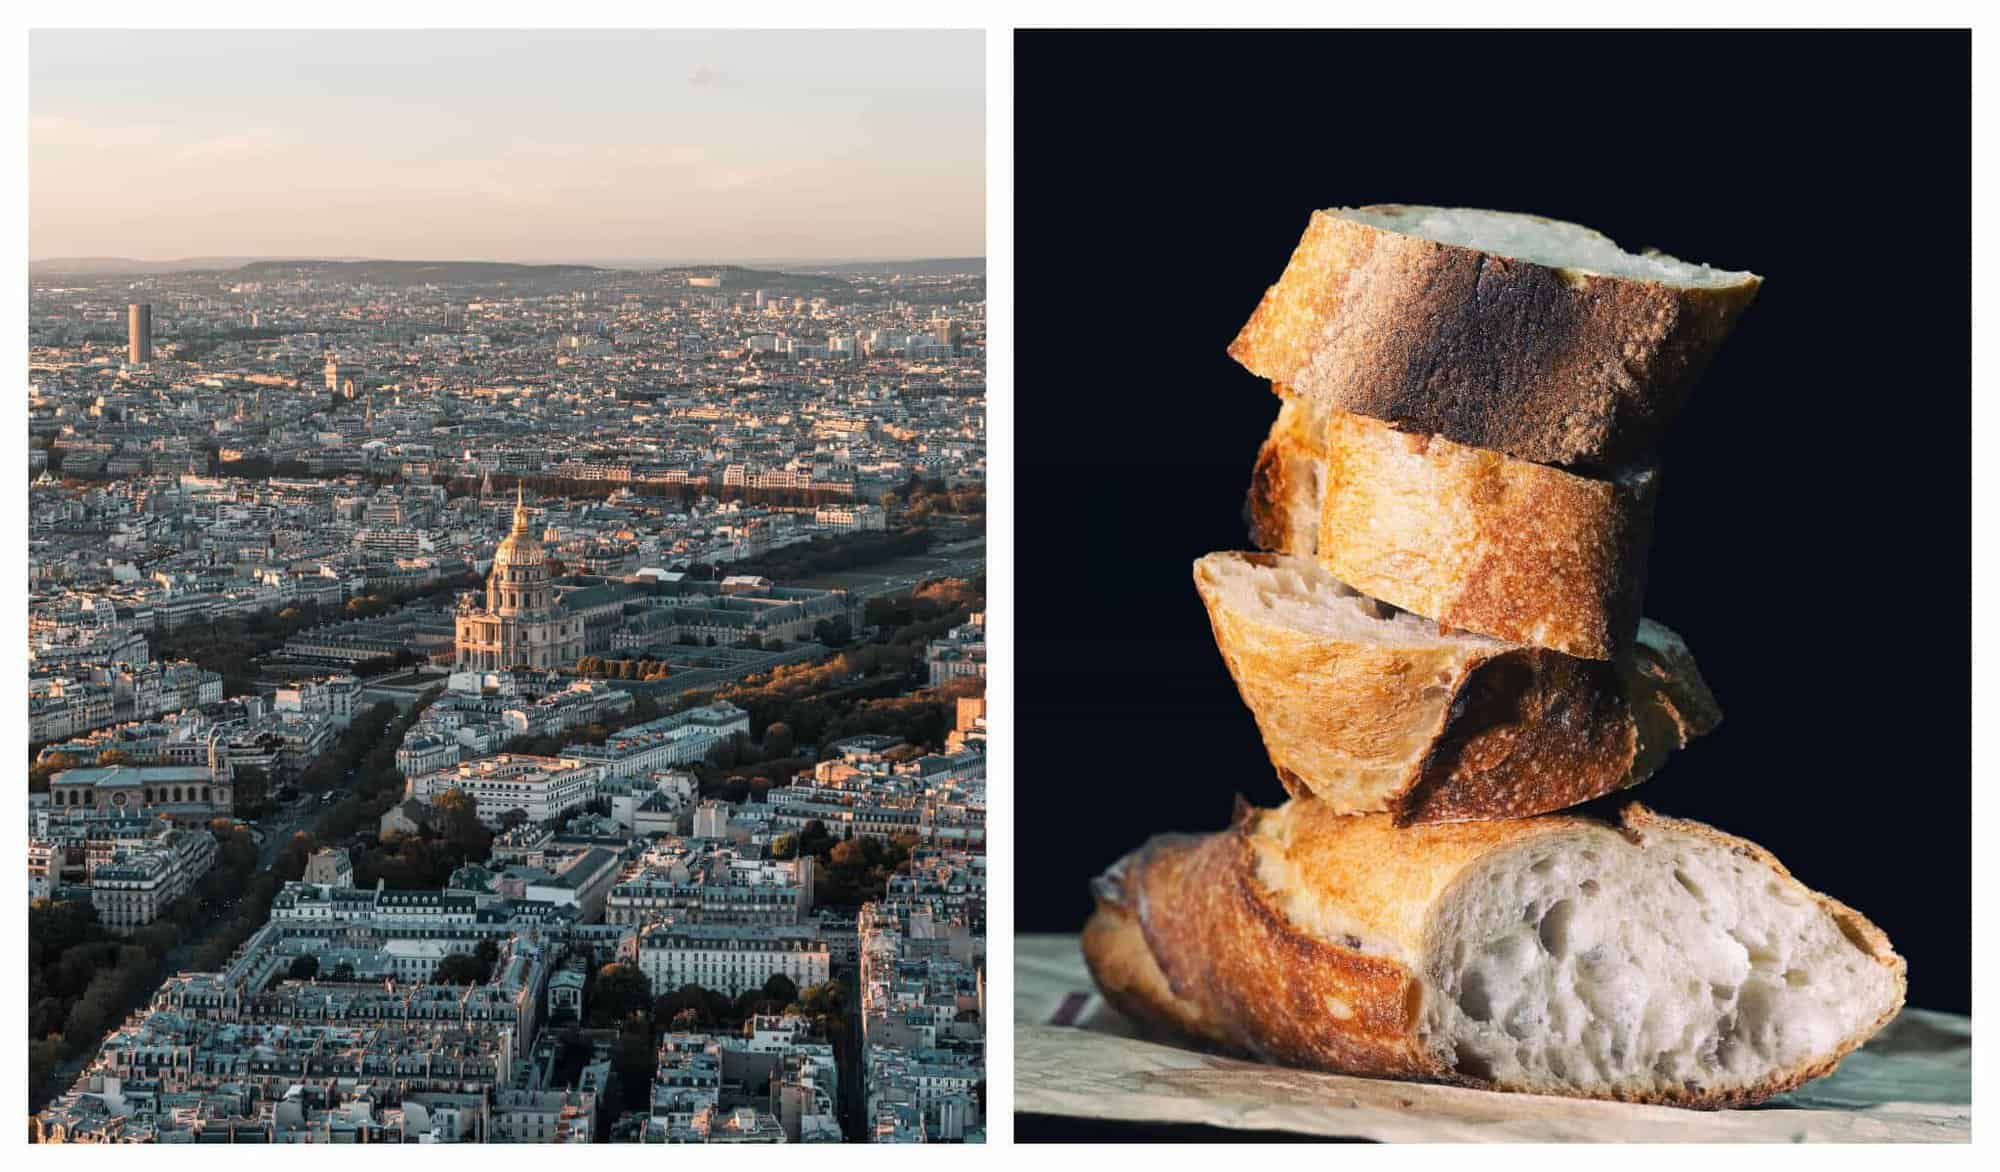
1812, 540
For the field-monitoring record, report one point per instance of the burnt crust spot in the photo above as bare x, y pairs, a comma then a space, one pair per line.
1531, 731
1538, 362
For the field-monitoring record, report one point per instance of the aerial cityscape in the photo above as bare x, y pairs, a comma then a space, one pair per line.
480, 700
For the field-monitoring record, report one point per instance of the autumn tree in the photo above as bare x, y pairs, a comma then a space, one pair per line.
41, 771
621, 990
458, 823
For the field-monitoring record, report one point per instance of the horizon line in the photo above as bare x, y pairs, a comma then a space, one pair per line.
253, 258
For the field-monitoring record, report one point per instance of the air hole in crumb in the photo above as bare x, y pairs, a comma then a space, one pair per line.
1474, 999
1543, 865
1588, 887
1796, 978
1475, 1066
1554, 929
1693, 888
1760, 954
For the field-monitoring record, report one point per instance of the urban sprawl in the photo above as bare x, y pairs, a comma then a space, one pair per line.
505, 703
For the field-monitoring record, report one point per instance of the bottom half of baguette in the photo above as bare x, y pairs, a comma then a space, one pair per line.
1644, 958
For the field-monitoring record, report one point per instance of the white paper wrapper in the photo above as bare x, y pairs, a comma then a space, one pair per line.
1073, 1055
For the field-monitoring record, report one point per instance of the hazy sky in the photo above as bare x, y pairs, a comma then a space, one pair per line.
558, 145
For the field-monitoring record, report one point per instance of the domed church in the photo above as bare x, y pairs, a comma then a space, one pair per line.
522, 625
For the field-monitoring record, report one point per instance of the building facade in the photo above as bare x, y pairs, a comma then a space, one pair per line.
521, 623
186, 793
138, 334
730, 959
135, 886
545, 788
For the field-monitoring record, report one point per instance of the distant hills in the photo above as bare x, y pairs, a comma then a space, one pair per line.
459, 272
928, 267
378, 272
412, 272
115, 266
739, 277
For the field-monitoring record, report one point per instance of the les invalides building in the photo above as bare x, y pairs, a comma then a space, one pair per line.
521, 625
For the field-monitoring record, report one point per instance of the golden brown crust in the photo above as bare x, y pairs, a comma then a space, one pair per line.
1452, 730
1480, 542
1297, 936
1232, 973
1282, 507
1122, 966
1545, 364
1347, 719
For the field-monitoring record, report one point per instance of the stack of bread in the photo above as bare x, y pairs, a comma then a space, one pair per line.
1441, 644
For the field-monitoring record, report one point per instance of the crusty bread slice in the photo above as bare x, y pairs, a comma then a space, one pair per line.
1286, 482
1370, 709
1476, 540
1648, 959
1532, 337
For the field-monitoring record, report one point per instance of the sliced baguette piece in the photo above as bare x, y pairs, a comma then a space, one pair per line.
1476, 540
1532, 337
1286, 483
1370, 709
1645, 959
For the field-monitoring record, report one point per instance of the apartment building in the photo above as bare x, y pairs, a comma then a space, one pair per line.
133, 888
730, 958
545, 788
682, 738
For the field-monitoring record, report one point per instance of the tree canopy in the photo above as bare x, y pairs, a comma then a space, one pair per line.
619, 991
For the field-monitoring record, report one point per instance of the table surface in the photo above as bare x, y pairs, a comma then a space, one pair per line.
1075, 1056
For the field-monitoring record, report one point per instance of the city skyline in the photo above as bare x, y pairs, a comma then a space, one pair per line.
517, 146
529, 625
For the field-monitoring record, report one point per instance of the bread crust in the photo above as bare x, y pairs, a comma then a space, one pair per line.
1454, 730
1283, 505
1226, 969
1190, 937
1480, 542
1546, 364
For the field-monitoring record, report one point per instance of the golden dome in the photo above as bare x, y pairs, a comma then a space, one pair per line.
519, 547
